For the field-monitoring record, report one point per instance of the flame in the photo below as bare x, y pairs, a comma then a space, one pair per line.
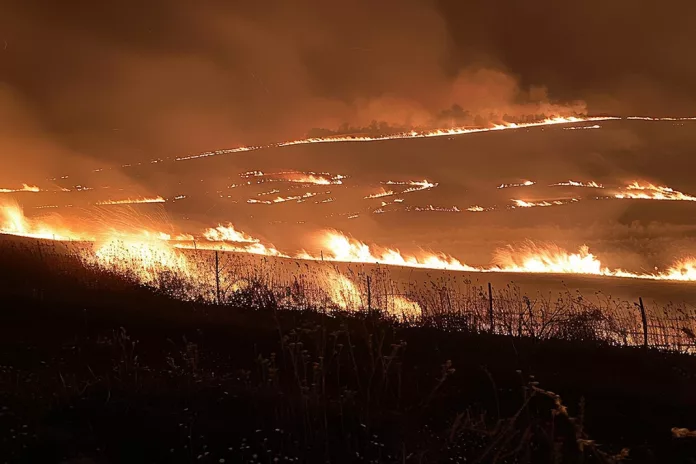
596, 126
648, 118
144, 258
228, 238
314, 178
542, 259
446, 132
25, 188
227, 233
413, 134
345, 294
412, 186
684, 269
526, 183
441, 209
298, 198
542, 203
647, 191
549, 259
341, 290
339, 247
381, 194
14, 222
572, 183
134, 201
417, 186
475, 209
530, 204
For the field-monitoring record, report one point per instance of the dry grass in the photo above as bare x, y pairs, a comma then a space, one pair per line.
452, 303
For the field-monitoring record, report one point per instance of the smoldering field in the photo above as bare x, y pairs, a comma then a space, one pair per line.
419, 195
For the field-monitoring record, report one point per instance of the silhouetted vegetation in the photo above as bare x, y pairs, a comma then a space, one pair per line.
95, 367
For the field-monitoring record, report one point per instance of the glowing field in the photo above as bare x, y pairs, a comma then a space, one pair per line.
382, 200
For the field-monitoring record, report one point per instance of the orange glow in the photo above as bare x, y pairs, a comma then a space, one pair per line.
646, 191
14, 222
527, 183
684, 269
297, 198
314, 178
381, 194
339, 247
25, 188
572, 183
532, 204
228, 233
444, 132
132, 201
142, 258
345, 294
548, 259
341, 290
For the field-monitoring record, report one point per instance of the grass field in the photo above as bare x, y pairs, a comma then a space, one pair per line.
97, 368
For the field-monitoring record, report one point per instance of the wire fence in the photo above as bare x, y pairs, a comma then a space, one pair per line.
453, 303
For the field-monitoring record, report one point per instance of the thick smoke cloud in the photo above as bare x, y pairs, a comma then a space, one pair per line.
126, 80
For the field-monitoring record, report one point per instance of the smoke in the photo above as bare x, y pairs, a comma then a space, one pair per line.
129, 83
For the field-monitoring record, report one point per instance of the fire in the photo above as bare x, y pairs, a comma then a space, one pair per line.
440, 209
475, 209
527, 183
549, 259
228, 238
338, 247
543, 203
530, 204
381, 194
418, 186
25, 188
314, 178
411, 186
227, 233
684, 269
647, 118
14, 222
446, 132
345, 294
144, 259
297, 198
412, 134
341, 290
596, 126
403, 308
647, 191
132, 201
572, 183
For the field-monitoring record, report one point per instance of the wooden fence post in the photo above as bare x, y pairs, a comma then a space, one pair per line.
369, 293
490, 307
645, 323
217, 276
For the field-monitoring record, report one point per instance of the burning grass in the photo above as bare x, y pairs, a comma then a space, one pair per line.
343, 362
451, 302
313, 362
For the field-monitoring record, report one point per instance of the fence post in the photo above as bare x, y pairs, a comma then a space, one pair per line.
369, 293
217, 276
645, 323
490, 307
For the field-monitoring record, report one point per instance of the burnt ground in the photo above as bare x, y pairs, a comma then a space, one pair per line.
95, 369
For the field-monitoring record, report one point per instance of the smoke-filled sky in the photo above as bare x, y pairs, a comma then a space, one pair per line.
130, 80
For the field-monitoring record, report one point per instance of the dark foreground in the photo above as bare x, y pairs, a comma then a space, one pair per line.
94, 369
